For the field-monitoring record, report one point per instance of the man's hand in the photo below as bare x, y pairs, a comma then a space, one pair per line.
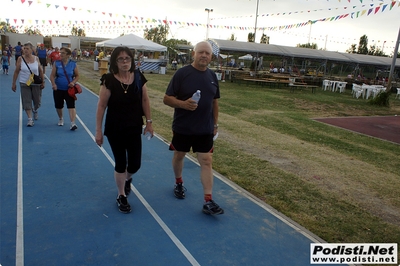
189, 104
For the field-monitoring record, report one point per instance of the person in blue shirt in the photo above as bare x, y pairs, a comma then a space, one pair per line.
18, 51
195, 124
42, 54
60, 83
5, 62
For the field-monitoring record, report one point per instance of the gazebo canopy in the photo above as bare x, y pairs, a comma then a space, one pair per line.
297, 52
133, 42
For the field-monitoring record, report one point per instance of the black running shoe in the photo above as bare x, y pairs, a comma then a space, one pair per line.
179, 191
123, 205
210, 207
128, 186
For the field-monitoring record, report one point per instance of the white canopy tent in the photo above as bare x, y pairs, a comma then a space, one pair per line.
224, 56
246, 57
133, 42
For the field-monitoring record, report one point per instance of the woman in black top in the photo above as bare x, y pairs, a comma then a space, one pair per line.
124, 94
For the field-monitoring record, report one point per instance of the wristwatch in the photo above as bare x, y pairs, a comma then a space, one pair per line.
216, 126
149, 121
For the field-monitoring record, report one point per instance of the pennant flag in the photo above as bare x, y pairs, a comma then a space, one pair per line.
215, 48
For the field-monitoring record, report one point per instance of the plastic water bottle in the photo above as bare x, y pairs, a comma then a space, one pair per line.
196, 96
148, 135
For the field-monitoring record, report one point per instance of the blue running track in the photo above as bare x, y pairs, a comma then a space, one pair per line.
58, 202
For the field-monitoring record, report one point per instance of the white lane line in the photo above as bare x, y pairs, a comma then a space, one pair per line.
19, 245
166, 229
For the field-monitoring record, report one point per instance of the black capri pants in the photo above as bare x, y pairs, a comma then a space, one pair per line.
127, 150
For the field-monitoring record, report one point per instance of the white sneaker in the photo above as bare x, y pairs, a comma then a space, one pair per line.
30, 122
61, 122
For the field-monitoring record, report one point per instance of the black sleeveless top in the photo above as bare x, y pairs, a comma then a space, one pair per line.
124, 110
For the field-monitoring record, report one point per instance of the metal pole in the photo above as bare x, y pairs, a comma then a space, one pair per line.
255, 26
309, 34
396, 50
255, 31
208, 10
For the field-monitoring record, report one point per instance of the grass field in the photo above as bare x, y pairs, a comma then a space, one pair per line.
342, 186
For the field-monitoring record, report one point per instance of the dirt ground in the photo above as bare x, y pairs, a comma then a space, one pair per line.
314, 164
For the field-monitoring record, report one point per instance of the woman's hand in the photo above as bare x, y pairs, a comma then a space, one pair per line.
99, 138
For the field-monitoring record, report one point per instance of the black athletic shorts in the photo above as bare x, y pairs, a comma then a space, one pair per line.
43, 61
198, 143
59, 96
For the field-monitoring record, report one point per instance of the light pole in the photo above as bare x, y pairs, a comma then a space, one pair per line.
208, 10
309, 34
255, 26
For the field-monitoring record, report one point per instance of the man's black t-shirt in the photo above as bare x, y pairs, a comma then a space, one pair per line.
185, 82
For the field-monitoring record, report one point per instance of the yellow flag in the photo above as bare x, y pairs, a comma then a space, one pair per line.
30, 80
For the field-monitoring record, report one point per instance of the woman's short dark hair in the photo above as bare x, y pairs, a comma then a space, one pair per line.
113, 60
67, 50
29, 44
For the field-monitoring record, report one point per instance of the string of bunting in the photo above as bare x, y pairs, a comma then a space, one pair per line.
126, 23
136, 20
371, 5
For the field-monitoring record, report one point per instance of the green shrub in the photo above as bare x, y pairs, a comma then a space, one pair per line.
382, 99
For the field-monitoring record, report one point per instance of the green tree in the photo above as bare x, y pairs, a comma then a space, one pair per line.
75, 31
264, 39
5, 27
363, 45
158, 34
308, 45
233, 38
352, 49
32, 31
373, 50
172, 45
251, 37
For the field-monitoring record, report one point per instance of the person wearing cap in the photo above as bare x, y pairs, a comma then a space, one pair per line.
42, 54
